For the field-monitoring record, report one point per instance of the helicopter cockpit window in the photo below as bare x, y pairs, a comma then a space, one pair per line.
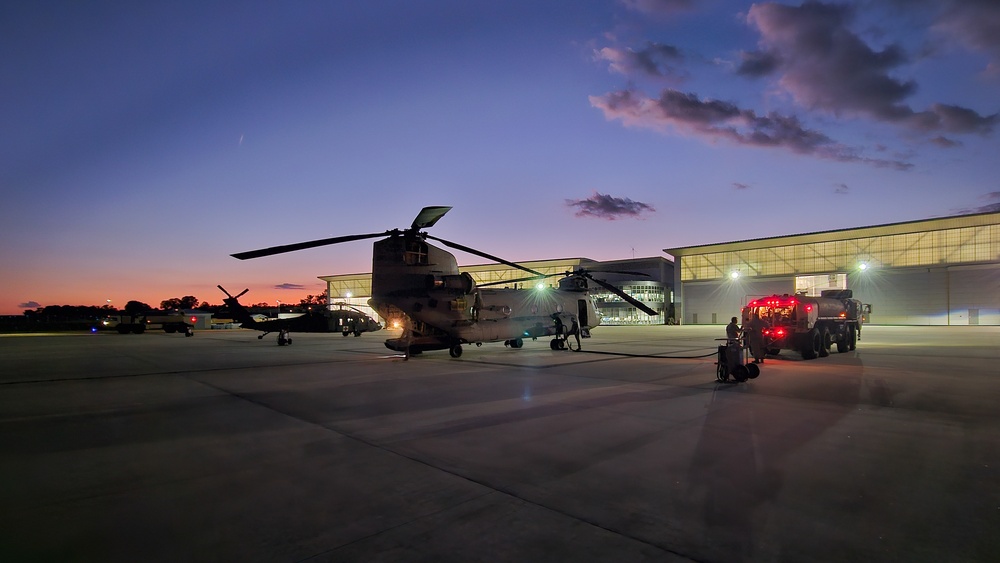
415, 253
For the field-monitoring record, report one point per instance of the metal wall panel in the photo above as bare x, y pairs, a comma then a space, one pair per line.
725, 299
904, 297
974, 295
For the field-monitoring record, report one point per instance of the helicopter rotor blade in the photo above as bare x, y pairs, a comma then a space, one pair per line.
631, 300
483, 255
304, 245
428, 216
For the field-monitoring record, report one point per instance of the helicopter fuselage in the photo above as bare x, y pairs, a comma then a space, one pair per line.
444, 308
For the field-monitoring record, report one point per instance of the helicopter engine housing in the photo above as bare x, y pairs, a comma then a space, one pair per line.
461, 283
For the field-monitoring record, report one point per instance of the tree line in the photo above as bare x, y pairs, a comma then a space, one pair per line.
188, 302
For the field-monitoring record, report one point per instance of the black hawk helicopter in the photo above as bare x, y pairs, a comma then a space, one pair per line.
444, 308
345, 320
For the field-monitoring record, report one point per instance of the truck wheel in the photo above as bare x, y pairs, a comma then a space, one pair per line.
346, 332
169, 329
357, 333
842, 344
812, 344
824, 349
852, 337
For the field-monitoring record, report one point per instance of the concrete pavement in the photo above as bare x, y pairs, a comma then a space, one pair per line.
225, 447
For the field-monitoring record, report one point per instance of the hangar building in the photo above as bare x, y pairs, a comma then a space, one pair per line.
943, 271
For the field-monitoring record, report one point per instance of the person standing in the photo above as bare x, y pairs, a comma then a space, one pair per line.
733, 330
755, 336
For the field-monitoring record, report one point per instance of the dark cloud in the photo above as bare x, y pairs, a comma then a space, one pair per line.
824, 65
289, 286
975, 24
842, 189
607, 207
991, 205
716, 119
945, 142
757, 63
659, 7
740, 186
656, 59
29, 305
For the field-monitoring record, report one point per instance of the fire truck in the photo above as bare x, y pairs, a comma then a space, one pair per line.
808, 325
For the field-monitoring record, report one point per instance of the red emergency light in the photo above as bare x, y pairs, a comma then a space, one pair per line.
774, 301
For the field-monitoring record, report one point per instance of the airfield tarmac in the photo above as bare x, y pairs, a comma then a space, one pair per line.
222, 447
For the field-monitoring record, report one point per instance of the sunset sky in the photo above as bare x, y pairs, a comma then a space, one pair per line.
145, 142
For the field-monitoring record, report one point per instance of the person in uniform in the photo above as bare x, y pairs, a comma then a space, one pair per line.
733, 330
755, 336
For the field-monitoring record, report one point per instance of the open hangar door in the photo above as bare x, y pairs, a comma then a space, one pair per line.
716, 302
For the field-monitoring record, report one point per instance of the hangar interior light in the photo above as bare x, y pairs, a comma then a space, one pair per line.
734, 275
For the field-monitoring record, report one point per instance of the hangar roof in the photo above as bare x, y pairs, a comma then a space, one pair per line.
940, 223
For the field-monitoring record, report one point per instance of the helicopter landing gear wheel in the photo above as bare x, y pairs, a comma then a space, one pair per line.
557, 344
260, 337
516, 343
455, 351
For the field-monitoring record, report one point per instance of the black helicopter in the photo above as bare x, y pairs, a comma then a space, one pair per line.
445, 308
345, 320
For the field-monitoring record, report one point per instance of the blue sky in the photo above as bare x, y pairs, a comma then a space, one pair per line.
146, 142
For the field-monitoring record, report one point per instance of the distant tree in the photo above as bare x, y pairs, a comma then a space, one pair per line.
186, 302
313, 300
136, 307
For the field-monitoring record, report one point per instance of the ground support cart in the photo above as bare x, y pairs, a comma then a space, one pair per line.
731, 363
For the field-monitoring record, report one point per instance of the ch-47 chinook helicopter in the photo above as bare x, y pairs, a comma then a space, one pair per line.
345, 320
445, 308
